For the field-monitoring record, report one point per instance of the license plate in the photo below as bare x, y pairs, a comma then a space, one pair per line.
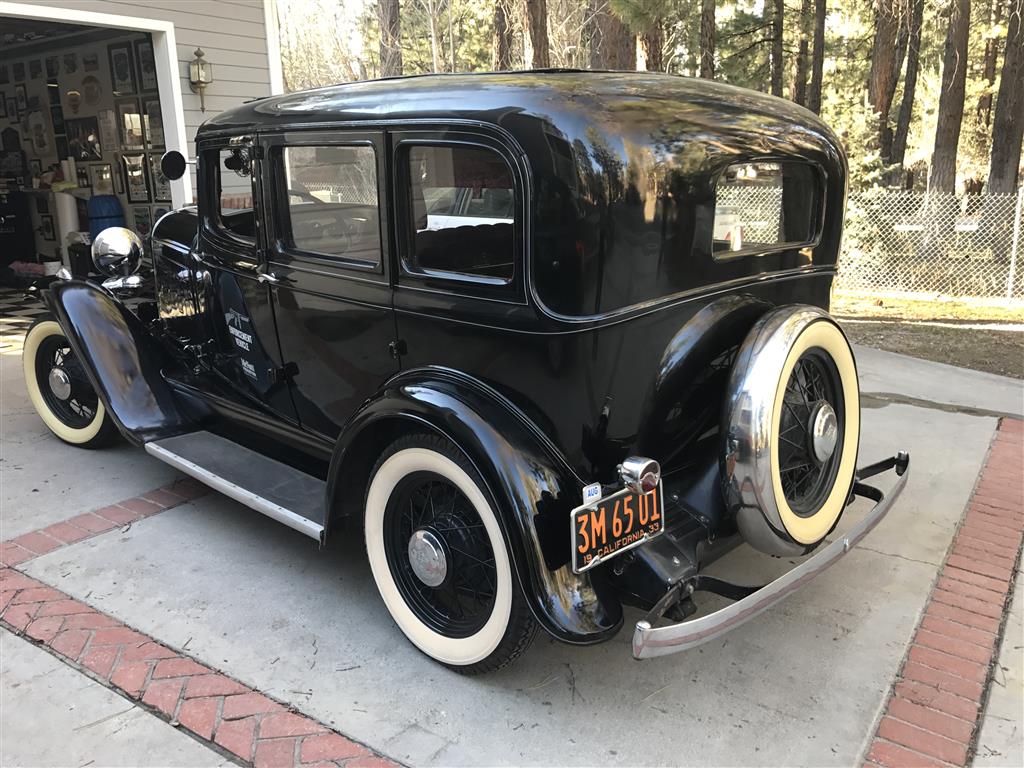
610, 526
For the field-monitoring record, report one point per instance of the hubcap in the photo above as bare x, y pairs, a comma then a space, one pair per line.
824, 432
60, 383
427, 558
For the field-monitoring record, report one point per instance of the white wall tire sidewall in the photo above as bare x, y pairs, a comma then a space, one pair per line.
824, 335
36, 335
454, 651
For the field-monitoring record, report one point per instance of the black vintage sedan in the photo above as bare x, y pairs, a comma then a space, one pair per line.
551, 342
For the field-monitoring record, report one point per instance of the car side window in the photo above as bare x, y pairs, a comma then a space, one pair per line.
461, 202
230, 171
332, 201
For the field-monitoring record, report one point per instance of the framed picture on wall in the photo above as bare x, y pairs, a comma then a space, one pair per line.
52, 67
35, 69
46, 227
143, 218
70, 63
12, 108
83, 138
108, 128
21, 98
158, 211
136, 178
3, 104
146, 64
36, 166
90, 62
129, 123
101, 177
161, 184
122, 68
19, 71
153, 124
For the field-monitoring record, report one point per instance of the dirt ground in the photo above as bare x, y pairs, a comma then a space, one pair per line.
986, 335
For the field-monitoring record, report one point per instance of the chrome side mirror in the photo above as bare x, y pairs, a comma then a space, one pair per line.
117, 252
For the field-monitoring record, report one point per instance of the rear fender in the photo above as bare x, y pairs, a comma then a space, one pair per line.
123, 361
531, 487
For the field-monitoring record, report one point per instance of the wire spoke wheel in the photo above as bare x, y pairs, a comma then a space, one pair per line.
63, 383
457, 595
807, 460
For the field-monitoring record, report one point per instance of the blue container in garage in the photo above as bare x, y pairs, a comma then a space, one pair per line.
104, 211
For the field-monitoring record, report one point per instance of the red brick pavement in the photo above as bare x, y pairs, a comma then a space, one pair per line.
228, 715
934, 711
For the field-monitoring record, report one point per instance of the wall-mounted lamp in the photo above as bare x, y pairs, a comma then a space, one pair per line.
200, 75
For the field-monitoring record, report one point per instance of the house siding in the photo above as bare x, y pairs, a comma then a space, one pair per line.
231, 33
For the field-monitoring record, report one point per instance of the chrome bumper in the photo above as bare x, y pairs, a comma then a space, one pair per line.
649, 641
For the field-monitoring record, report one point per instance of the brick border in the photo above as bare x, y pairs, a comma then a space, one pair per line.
935, 707
29, 545
216, 709
226, 715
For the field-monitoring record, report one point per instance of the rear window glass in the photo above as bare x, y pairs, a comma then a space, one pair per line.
461, 205
332, 201
766, 206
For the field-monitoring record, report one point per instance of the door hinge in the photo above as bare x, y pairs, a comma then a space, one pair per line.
286, 372
397, 348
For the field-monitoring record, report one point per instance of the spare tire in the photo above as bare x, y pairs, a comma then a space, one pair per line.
791, 430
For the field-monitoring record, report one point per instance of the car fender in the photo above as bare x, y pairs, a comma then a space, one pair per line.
532, 488
123, 360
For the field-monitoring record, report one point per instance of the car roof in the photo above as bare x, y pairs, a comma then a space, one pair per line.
644, 103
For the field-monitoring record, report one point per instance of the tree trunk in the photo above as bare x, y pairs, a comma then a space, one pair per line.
886, 62
651, 44
899, 141
435, 59
800, 73
390, 38
540, 51
1008, 123
817, 57
776, 63
612, 45
942, 174
989, 66
707, 38
501, 59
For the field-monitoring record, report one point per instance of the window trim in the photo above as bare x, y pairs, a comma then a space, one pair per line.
284, 237
440, 281
212, 217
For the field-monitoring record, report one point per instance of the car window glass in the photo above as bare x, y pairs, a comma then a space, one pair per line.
332, 201
764, 206
462, 206
233, 183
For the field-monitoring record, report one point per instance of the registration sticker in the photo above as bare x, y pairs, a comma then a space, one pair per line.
591, 493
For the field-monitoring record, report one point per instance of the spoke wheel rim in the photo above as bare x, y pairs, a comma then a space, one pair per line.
807, 480
79, 409
461, 604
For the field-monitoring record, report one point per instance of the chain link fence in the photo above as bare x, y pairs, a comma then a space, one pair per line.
909, 242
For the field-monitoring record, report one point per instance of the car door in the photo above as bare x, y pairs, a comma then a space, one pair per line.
232, 291
328, 267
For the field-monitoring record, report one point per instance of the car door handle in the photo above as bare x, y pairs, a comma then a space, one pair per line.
268, 277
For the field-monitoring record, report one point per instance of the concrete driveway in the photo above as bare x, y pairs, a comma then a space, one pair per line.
802, 684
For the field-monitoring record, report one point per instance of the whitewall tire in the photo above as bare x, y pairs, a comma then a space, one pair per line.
439, 558
60, 391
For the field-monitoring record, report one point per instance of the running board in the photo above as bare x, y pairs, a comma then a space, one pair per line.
277, 490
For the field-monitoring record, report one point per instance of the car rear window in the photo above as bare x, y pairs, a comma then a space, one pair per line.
461, 204
766, 206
